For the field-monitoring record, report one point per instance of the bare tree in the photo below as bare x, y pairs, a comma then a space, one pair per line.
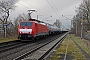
5, 7
57, 23
83, 13
17, 20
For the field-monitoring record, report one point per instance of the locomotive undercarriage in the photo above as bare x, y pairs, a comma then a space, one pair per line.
24, 36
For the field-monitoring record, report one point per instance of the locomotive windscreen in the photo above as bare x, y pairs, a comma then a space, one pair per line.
26, 24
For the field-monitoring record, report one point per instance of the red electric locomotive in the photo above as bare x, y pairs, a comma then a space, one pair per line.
31, 29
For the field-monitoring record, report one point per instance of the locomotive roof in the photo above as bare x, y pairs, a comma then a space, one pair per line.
36, 21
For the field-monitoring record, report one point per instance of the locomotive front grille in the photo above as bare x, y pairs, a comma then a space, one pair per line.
25, 35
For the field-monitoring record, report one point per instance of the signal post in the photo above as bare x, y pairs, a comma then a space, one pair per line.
82, 21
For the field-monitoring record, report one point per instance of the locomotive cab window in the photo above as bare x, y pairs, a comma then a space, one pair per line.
26, 24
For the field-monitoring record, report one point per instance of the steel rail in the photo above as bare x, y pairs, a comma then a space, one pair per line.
34, 50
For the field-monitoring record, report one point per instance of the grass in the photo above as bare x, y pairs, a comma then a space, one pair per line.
82, 44
73, 51
7, 39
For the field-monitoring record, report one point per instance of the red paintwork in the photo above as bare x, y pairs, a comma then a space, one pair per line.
36, 28
41, 28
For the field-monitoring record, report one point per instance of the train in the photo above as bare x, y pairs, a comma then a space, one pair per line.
32, 29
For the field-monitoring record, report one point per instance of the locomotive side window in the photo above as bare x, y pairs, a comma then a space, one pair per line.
26, 24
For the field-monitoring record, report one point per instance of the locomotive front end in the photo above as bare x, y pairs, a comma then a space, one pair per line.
25, 30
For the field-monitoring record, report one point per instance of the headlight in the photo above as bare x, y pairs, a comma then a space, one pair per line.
20, 32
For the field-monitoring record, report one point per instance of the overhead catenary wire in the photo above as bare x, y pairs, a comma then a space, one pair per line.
34, 7
54, 5
23, 5
53, 9
30, 5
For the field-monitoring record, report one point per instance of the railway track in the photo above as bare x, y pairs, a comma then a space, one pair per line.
41, 51
4, 51
24, 48
5, 44
10, 46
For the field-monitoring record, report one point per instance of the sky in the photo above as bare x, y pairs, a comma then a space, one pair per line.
47, 8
